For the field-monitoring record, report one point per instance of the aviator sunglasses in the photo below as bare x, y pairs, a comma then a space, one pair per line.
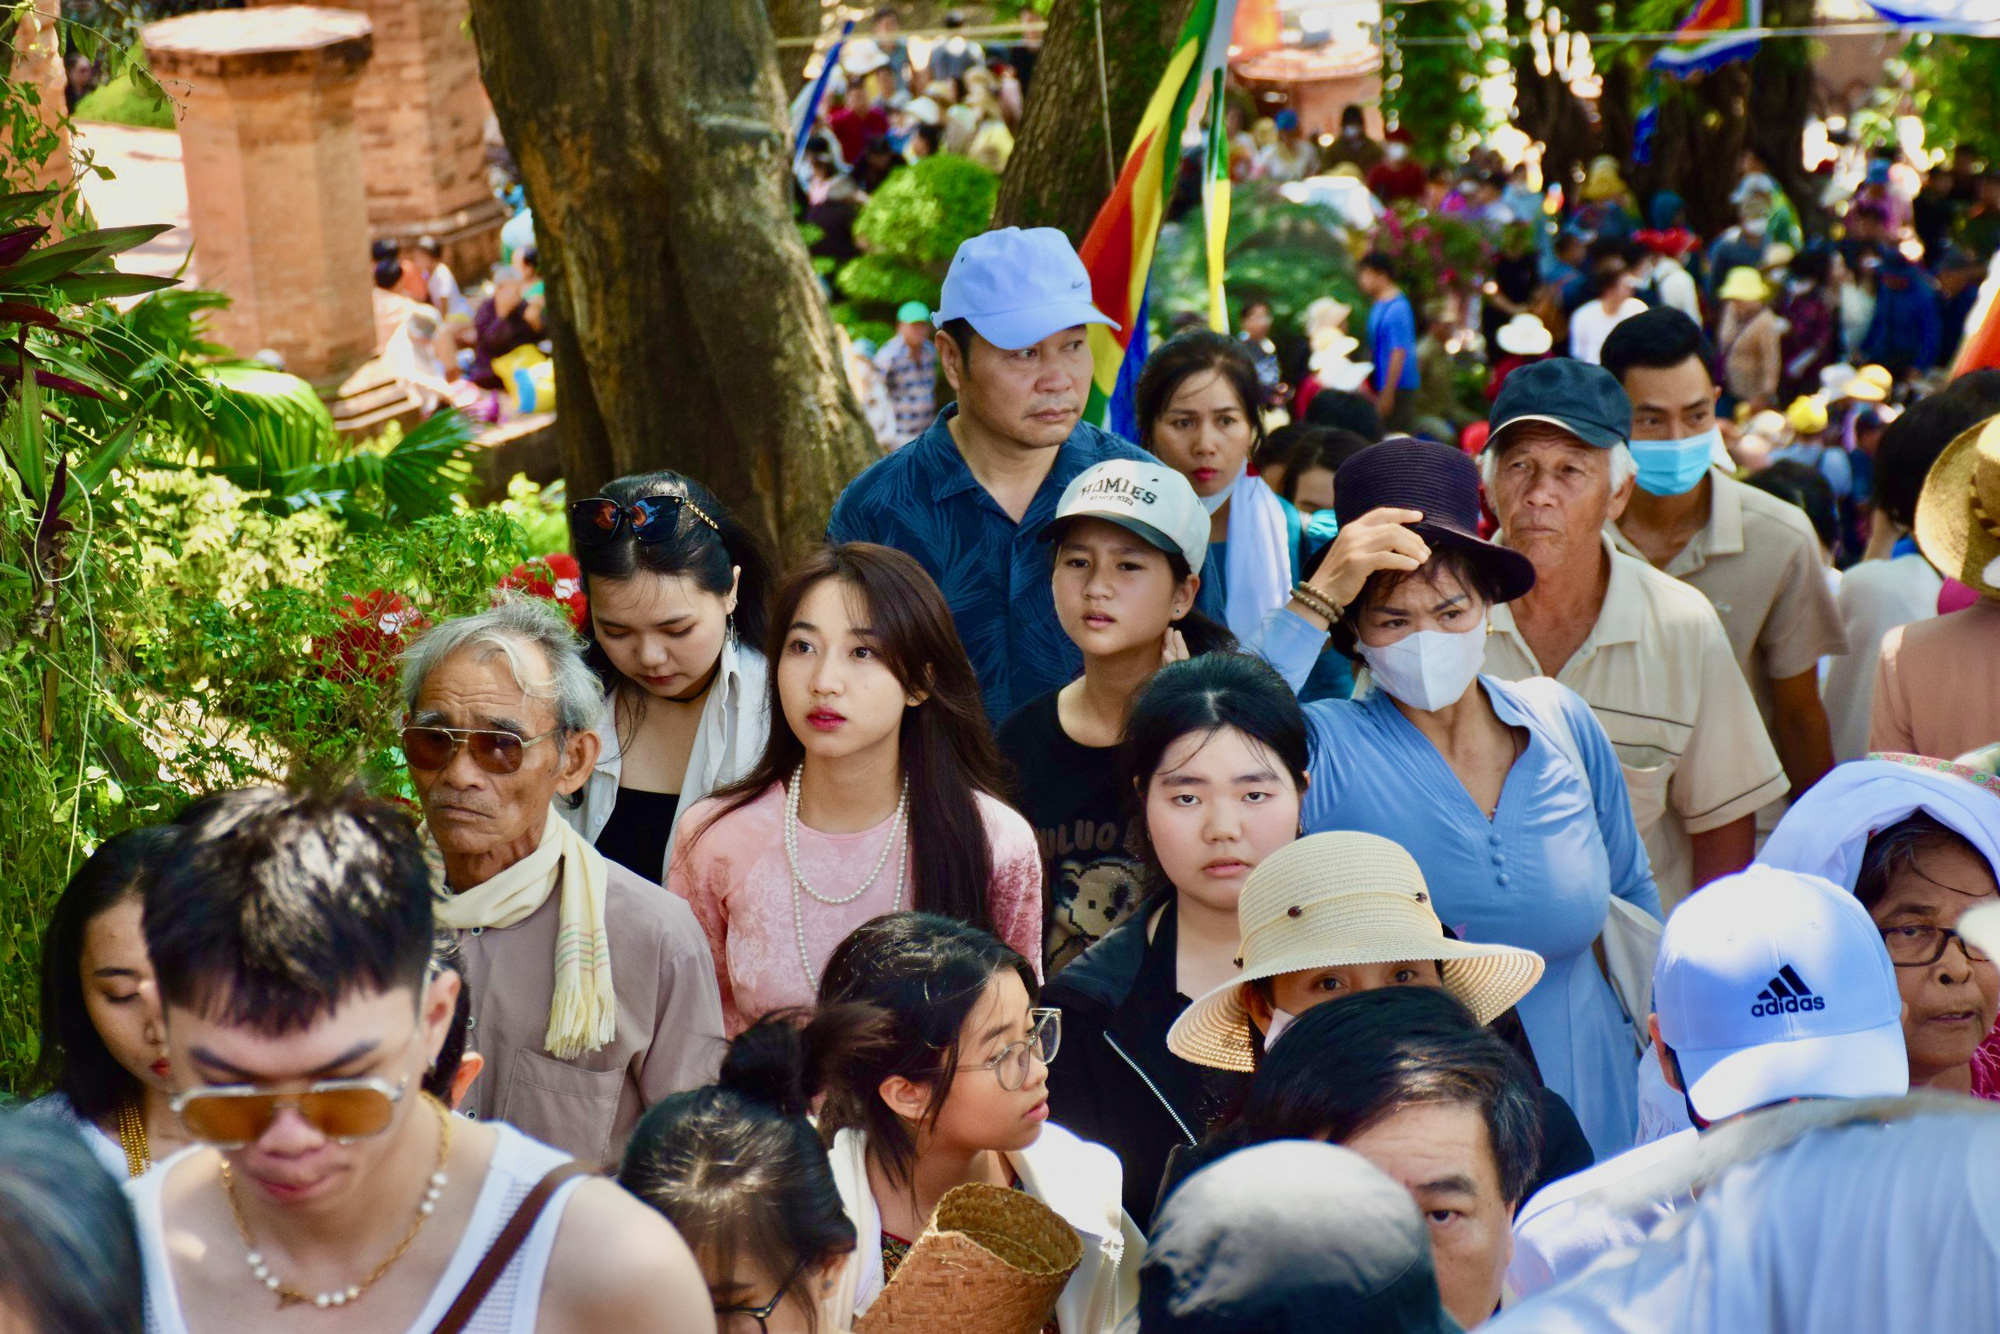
600, 519
431, 749
230, 1116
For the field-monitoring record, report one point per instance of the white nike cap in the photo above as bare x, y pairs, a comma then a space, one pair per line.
1148, 499
1773, 985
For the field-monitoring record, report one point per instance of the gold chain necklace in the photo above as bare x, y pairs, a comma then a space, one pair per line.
132, 1138
290, 1296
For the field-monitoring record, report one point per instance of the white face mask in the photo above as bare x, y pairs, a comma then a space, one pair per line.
1396, 152
1220, 498
1280, 1021
1428, 669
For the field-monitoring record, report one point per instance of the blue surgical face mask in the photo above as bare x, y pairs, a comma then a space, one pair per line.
1675, 467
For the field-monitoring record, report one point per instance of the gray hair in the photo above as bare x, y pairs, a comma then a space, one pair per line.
518, 622
69, 1252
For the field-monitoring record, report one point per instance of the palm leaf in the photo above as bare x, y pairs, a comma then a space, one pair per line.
260, 426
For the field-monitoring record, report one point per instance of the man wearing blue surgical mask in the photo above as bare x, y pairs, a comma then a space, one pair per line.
1755, 556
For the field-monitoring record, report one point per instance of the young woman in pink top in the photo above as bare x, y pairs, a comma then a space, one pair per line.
877, 791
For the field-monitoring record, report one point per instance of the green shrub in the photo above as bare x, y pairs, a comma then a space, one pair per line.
128, 99
910, 229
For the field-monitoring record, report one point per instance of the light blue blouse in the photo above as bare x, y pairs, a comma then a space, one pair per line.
1538, 875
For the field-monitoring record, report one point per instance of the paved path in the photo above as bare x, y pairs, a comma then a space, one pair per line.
147, 187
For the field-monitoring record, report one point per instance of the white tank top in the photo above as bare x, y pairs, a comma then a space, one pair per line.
510, 1308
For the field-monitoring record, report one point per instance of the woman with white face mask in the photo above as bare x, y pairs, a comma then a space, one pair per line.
1508, 794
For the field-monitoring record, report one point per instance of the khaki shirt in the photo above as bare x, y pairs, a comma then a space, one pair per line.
1757, 560
1657, 670
669, 1036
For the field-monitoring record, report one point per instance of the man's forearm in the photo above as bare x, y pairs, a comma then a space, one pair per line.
1803, 738
1724, 851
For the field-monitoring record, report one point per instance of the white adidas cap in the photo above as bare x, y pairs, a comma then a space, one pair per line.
1772, 985
1146, 498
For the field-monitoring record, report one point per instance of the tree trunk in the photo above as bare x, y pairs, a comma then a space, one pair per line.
689, 329
1059, 174
796, 18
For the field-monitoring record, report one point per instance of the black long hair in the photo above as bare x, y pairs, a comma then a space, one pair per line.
74, 1060
737, 1167
945, 746
694, 551
1188, 354
922, 974
1206, 694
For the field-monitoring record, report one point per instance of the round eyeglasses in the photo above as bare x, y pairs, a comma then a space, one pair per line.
1014, 1063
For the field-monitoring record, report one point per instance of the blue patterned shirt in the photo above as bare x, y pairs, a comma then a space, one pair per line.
995, 573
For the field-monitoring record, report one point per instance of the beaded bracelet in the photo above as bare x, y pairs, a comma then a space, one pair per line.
1316, 601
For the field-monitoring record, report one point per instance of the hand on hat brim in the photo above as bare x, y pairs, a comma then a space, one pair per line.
1012, 330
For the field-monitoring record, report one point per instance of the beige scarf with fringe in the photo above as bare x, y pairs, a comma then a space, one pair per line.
583, 1013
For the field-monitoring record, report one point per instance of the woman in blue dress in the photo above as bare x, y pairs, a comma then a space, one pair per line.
1507, 793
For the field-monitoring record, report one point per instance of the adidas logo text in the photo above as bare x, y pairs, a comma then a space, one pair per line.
1786, 994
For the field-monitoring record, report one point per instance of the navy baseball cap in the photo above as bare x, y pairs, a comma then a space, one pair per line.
1585, 400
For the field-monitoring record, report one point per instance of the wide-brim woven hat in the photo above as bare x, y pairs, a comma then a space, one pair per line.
1341, 899
1958, 510
1525, 336
992, 1261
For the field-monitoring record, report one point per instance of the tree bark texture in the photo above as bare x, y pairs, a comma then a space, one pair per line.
1058, 176
1705, 122
689, 329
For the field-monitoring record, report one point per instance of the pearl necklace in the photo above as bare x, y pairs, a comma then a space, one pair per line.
799, 881
290, 1296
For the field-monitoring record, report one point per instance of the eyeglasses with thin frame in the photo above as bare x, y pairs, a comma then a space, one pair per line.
1013, 1065
597, 520
761, 1314
1920, 946
431, 749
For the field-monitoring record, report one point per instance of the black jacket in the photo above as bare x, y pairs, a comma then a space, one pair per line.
1114, 1081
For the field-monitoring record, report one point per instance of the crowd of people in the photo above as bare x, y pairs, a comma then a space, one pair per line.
1198, 883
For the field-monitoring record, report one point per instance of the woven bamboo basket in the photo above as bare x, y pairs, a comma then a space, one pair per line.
992, 1261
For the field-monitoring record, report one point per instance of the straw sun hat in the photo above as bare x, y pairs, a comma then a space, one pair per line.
1958, 511
1337, 900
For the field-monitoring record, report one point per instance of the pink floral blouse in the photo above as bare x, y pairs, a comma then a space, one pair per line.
736, 879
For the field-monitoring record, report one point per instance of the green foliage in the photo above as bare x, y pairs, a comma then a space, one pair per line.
1432, 89
910, 228
1289, 254
1953, 80
132, 98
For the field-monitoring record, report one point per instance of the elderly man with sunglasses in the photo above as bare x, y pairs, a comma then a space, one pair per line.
328, 1192
593, 991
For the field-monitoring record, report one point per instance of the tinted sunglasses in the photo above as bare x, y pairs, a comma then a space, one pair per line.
600, 519
230, 1116
432, 748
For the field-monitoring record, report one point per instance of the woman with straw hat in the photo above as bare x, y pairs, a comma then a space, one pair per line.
1937, 685
1333, 915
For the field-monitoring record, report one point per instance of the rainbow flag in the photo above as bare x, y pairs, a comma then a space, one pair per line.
1118, 250
1712, 35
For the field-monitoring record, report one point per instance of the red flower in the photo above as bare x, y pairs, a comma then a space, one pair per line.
557, 577
375, 628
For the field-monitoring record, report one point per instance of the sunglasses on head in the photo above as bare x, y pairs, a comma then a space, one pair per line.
230, 1116
600, 519
432, 748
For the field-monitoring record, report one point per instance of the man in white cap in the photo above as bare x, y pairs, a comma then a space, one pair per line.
969, 497
1771, 987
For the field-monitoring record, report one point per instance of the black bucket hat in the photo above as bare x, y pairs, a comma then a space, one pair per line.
1406, 473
